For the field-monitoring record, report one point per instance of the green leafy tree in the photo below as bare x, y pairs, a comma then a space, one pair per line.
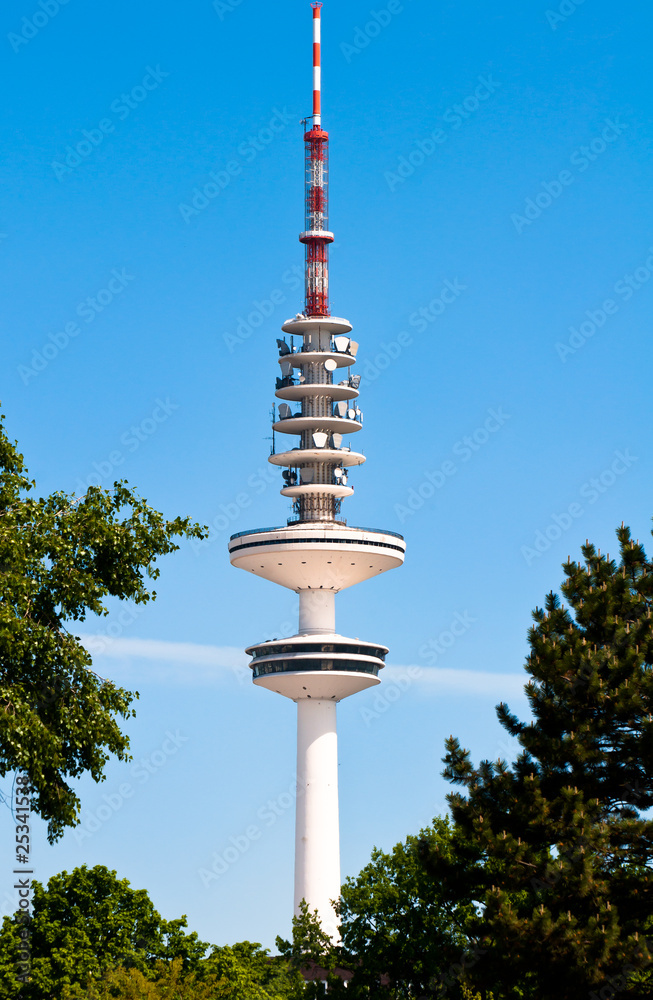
245, 971
565, 882
311, 952
240, 980
84, 925
402, 936
60, 557
168, 982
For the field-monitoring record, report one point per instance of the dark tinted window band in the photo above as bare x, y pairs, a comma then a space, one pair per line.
317, 541
312, 647
288, 666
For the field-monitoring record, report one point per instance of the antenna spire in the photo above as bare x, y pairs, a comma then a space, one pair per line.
316, 236
317, 69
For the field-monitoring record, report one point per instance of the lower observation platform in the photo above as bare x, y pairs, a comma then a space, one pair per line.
314, 555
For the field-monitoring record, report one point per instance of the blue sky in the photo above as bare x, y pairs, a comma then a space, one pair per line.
499, 154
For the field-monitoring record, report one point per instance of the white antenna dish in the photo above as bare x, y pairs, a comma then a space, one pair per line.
286, 369
284, 411
320, 439
341, 409
337, 440
351, 414
353, 347
341, 343
307, 476
330, 365
338, 473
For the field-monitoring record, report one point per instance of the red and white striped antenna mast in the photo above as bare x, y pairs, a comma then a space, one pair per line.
316, 236
317, 66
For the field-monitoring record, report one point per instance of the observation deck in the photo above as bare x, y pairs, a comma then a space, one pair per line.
317, 555
328, 666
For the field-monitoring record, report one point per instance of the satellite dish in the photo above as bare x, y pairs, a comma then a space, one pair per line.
338, 474
283, 347
286, 369
330, 365
344, 479
353, 347
350, 413
320, 439
307, 476
336, 440
342, 343
284, 411
341, 409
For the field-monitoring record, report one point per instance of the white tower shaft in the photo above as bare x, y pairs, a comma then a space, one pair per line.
317, 837
316, 554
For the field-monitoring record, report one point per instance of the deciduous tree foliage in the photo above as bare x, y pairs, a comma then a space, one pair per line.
564, 884
60, 557
86, 923
401, 936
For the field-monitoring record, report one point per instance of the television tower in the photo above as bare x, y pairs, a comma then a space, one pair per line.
316, 554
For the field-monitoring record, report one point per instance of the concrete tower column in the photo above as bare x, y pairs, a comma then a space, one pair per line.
317, 839
317, 611
316, 554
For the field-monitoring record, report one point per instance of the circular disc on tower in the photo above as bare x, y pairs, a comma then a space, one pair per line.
330, 365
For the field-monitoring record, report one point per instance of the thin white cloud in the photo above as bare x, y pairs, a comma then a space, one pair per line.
445, 680
190, 663
177, 662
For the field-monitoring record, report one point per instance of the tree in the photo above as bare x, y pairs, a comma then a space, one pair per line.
565, 882
84, 925
245, 971
60, 557
311, 951
402, 936
169, 982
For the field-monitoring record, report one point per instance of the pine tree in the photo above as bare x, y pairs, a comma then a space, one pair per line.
565, 890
